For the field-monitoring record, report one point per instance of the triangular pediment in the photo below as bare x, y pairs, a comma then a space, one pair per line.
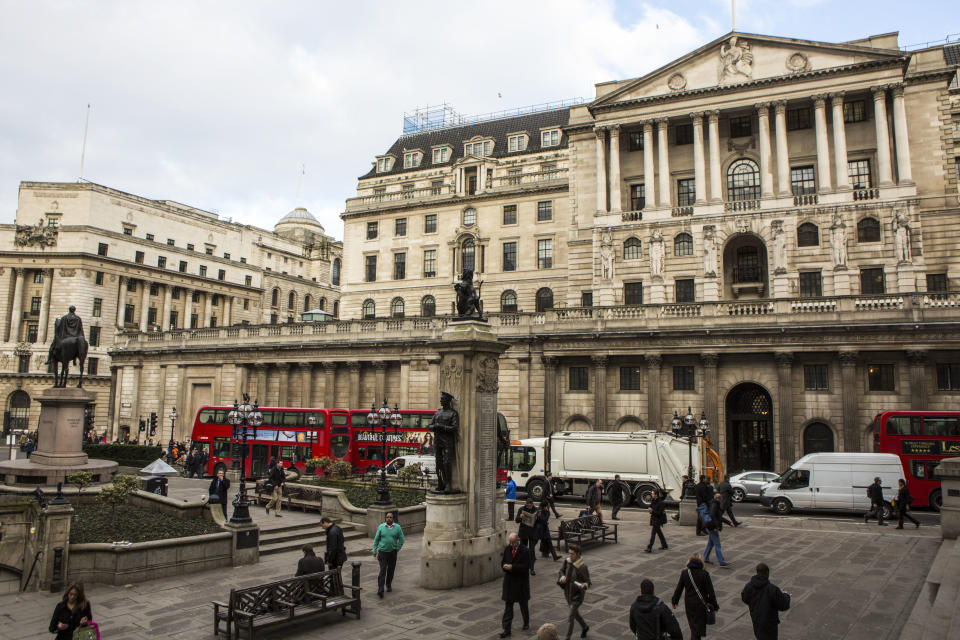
739, 58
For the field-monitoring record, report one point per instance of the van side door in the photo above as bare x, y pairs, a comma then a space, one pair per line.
832, 489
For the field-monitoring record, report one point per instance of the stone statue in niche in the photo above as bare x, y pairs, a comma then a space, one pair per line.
736, 61
606, 257
445, 426
656, 254
779, 247
710, 262
901, 236
838, 242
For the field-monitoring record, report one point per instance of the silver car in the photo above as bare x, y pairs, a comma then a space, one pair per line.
747, 484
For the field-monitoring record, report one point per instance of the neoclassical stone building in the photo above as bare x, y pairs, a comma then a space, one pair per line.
129, 265
761, 230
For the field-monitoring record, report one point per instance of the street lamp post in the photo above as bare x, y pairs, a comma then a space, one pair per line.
688, 427
384, 418
245, 419
173, 426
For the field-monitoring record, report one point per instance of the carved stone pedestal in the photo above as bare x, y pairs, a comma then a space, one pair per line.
711, 290
841, 282
906, 277
657, 291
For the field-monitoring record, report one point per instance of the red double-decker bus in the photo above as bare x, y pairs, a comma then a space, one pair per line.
922, 439
289, 435
413, 438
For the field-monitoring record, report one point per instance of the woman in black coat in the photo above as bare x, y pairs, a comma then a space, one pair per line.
527, 517
694, 606
71, 613
542, 530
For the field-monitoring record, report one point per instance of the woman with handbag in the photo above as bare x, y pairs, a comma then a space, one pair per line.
699, 601
72, 615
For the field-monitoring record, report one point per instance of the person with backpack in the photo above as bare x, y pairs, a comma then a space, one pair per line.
766, 601
903, 505
658, 518
710, 515
650, 619
875, 493
699, 598
727, 503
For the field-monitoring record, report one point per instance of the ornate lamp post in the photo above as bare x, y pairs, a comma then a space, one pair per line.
173, 426
245, 419
688, 427
384, 418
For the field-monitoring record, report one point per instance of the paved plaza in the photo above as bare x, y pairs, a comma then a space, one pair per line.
848, 580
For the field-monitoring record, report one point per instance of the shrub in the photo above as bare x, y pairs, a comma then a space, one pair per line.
322, 464
341, 468
128, 455
116, 494
82, 479
410, 472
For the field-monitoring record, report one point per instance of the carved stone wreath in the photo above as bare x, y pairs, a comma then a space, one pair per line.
798, 62
677, 82
488, 377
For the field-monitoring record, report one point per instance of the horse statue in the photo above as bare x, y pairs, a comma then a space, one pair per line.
69, 345
468, 297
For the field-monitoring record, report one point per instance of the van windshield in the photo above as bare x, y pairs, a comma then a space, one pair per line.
795, 479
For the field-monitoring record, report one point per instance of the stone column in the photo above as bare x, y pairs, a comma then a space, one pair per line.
884, 170
144, 305
164, 319
45, 305
207, 308
848, 381
918, 379
649, 170
710, 361
380, 384
188, 308
481, 178
116, 380
227, 310
601, 170
306, 369
600, 393
261, 390
616, 188
699, 166
766, 177
783, 153
121, 299
549, 394
354, 398
654, 417
283, 386
839, 142
663, 163
713, 128
523, 401
16, 311
904, 169
823, 145
785, 445
405, 367
329, 382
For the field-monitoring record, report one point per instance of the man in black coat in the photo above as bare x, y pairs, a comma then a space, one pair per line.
219, 486
650, 618
309, 563
658, 518
336, 553
619, 491
549, 494
875, 492
726, 504
765, 600
516, 584
527, 518
704, 494
595, 499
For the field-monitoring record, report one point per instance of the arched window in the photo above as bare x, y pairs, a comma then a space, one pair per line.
683, 245
291, 301
469, 217
19, 410
336, 272
868, 230
369, 309
508, 301
817, 437
336, 308
428, 307
808, 235
743, 180
306, 302
544, 299
323, 304
396, 308
469, 253
631, 249
274, 298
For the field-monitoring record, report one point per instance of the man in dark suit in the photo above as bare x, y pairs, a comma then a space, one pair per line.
704, 495
219, 487
516, 583
309, 563
875, 492
550, 494
336, 553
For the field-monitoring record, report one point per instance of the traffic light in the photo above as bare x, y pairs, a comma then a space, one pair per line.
153, 423
143, 424
87, 422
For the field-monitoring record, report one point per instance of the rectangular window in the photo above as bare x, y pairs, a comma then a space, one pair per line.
226, 256
208, 251
936, 282
509, 214
400, 227
195, 296
371, 231
35, 303
102, 249
798, 119
31, 333
632, 293
880, 377
93, 366
175, 294
815, 377
189, 247
586, 298
195, 320
545, 253
802, 181
430, 223
370, 269
183, 266
23, 365
810, 284
859, 172
203, 270
509, 256
740, 127
683, 379
948, 377
174, 316
686, 192
170, 242
517, 143
685, 290
638, 197
399, 266
629, 378
636, 140
248, 280
383, 164
684, 134
579, 379
429, 263
162, 262
243, 260
97, 307
151, 316
440, 155
514, 176
378, 194
871, 281
131, 285
544, 210
221, 274
129, 313
411, 160
128, 231
37, 277
854, 111
436, 187
98, 279
138, 257
154, 289
246, 305
550, 138
941, 427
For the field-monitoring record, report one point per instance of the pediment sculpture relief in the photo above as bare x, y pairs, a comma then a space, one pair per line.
736, 61
38, 235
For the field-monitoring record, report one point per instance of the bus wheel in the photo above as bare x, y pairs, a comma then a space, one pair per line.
936, 500
782, 506
536, 489
643, 495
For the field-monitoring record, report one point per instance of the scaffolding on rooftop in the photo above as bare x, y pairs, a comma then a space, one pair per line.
444, 116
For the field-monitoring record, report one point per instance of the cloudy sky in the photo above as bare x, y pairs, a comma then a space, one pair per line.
217, 104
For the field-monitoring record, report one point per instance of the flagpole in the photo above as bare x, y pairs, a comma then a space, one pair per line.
83, 146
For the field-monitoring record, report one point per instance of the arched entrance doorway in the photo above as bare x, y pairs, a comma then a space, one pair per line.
749, 428
19, 411
817, 437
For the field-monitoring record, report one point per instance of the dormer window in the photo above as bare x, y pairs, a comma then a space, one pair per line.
517, 142
441, 155
550, 138
478, 149
411, 160
384, 164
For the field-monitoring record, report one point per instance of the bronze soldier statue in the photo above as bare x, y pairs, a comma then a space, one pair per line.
446, 427
69, 345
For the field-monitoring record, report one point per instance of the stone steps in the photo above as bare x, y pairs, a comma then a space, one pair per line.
291, 537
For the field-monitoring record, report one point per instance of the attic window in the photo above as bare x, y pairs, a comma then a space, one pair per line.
517, 143
550, 138
478, 149
411, 160
384, 164
441, 155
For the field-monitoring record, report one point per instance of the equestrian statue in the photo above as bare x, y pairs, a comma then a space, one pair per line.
69, 345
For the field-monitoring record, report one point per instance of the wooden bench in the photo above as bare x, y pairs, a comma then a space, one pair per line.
294, 495
284, 601
586, 529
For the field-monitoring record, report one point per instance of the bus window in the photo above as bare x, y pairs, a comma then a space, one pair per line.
924, 469
207, 416
941, 426
292, 454
903, 426
320, 420
294, 418
221, 447
522, 458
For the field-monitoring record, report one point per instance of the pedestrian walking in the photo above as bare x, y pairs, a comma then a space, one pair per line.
726, 503
191, 461
703, 494
219, 486
651, 619
699, 598
309, 563
595, 498
71, 613
903, 505
658, 518
202, 462
516, 563
386, 543
574, 579
29, 448
766, 601
875, 493
511, 497
277, 478
710, 515
542, 530
550, 494
619, 493
527, 517
336, 554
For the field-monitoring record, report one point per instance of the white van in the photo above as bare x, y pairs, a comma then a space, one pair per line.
833, 482
428, 464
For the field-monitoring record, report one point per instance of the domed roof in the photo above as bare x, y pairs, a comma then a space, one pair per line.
300, 216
